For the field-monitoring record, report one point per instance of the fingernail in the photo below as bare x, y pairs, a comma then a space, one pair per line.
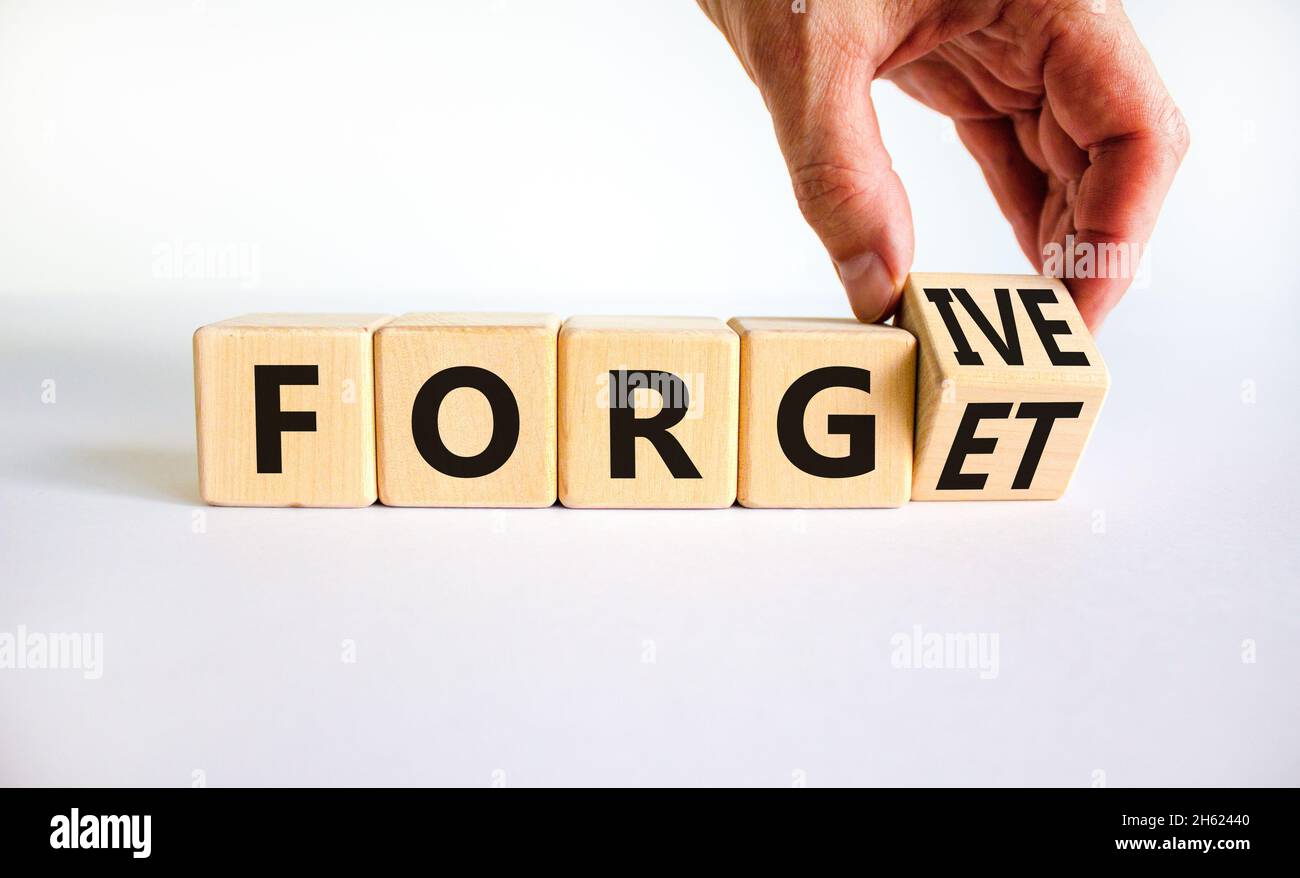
869, 284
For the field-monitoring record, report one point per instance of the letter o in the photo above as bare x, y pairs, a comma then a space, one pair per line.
505, 422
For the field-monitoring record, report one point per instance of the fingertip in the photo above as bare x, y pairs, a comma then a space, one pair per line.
870, 285
1095, 298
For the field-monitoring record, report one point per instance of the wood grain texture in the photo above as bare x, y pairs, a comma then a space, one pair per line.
774, 353
1011, 391
334, 465
520, 349
704, 353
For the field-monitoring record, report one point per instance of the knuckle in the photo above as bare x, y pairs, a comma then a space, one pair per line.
1173, 126
827, 193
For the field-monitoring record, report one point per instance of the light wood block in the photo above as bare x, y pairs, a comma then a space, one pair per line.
285, 410
1009, 385
648, 412
826, 411
466, 409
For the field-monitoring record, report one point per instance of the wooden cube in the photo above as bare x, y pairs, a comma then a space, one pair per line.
648, 412
826, 411
285, 410
1008, 387
466, 409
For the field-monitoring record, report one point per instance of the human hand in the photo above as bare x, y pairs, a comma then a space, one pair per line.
1056, 99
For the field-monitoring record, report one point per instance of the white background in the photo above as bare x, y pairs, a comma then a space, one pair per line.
607, 157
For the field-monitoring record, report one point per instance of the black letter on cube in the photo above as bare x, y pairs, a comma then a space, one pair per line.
505, 422
965, 442
861, 429
625, 426
269, 421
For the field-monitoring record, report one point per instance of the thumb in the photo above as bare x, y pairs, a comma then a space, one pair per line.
845, 183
